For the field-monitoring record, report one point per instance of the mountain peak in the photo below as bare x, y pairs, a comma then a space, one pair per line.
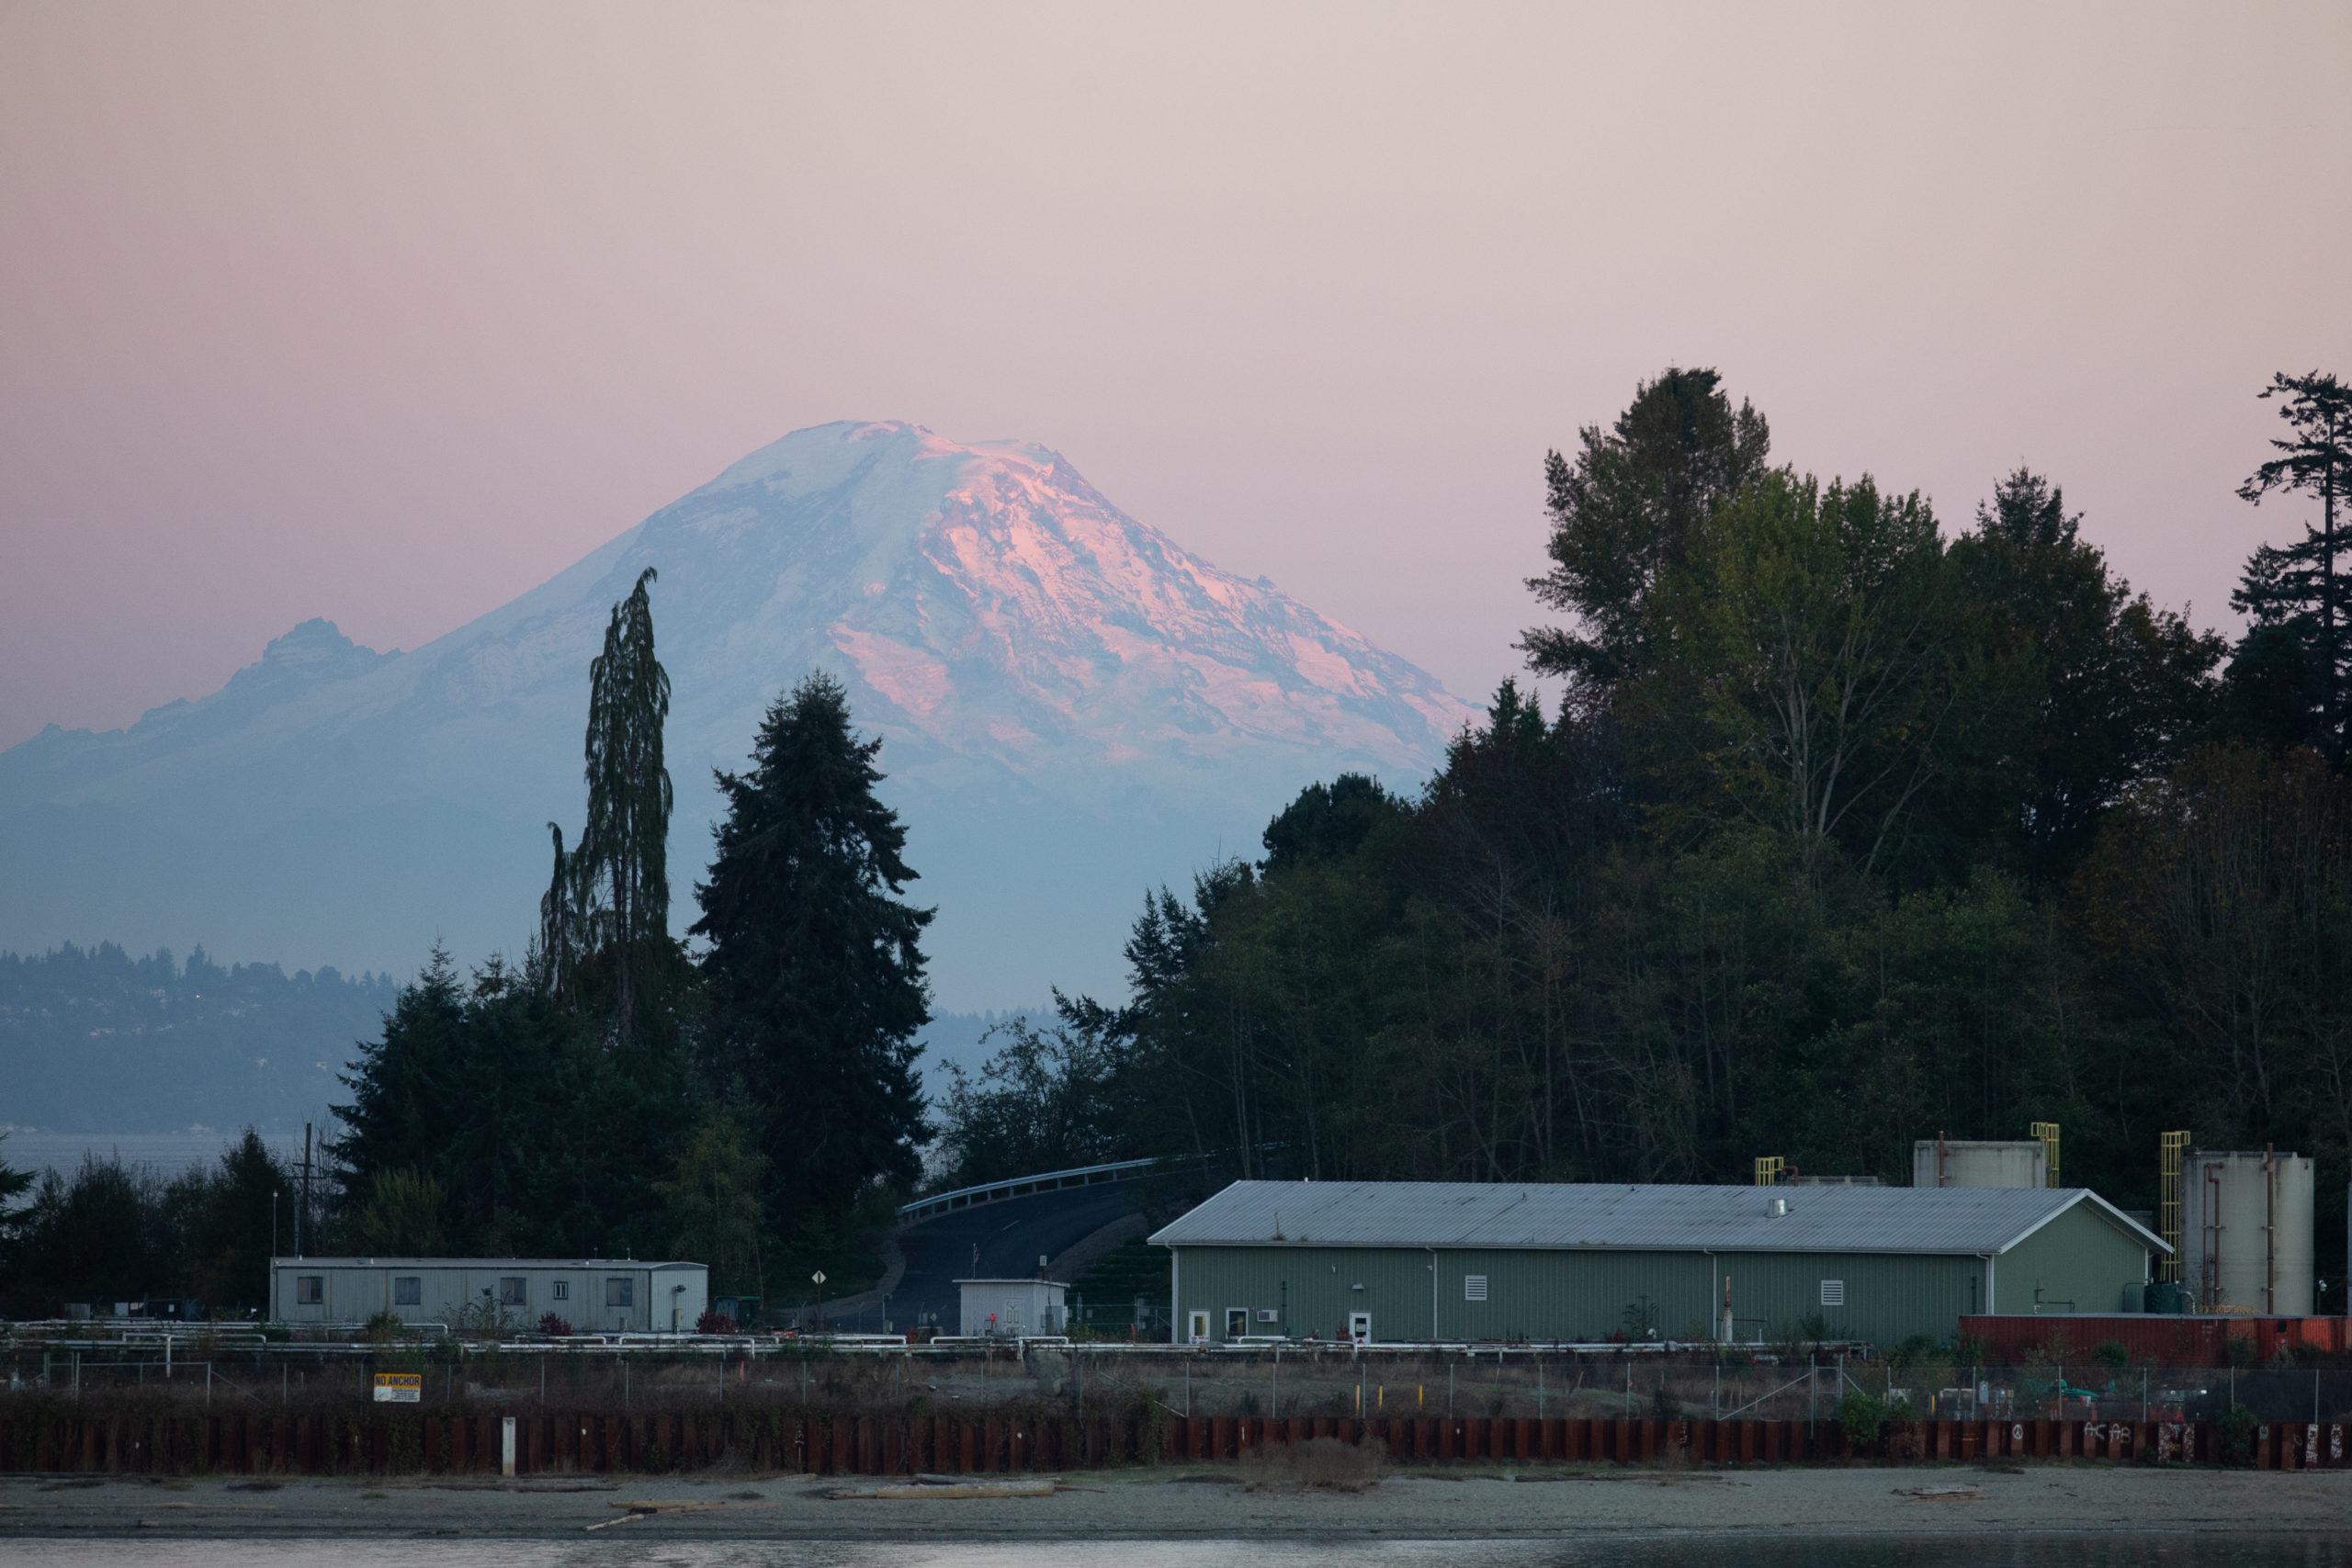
314, 653
1073, 707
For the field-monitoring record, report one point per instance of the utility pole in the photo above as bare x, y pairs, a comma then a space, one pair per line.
305, 1212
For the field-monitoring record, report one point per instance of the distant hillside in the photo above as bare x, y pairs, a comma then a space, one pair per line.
93, 1040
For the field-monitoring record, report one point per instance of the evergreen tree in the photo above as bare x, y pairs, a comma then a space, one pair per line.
2296, 588
623, 850
2108, 688
562, 919
242, 1214
814, 970
14, 1183
1625, 511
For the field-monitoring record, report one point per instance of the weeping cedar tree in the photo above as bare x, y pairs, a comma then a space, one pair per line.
2287, 682
622, 862
815, 977
489, 1115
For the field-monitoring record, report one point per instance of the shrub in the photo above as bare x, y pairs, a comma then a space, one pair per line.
1862, 1417
716, 1323
2233, 1436
1153, 1440
2113, 1352
555, 1327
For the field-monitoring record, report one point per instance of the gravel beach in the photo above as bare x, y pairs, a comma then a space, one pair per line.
1177, 1504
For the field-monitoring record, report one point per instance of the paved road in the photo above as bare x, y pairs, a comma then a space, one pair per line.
1010, 1234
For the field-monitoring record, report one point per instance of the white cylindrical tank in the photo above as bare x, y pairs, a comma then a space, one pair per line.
1950, 1162
2246, 1231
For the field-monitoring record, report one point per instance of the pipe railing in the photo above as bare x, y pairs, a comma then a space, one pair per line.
1024, 1186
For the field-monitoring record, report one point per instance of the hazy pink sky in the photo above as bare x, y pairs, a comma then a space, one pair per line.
387, 312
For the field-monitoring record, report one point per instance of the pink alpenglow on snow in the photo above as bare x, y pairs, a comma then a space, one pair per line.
1073, 707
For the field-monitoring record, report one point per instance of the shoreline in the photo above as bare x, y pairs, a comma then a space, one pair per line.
1207, 1503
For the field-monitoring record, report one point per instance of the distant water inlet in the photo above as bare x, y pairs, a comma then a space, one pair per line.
169, 1152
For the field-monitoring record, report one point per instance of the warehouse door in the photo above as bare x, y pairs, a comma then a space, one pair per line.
1237, 1322
1359, 1327
1198, 1329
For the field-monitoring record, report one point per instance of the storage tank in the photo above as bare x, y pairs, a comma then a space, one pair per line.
2246, 1231
1955, 1162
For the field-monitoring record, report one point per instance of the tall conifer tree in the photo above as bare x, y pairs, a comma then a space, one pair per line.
623, 848
815, 972
2296, 589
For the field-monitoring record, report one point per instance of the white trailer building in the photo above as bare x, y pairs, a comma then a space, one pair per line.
592, 1296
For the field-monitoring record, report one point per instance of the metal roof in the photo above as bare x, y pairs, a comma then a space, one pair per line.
483, 1265
1451, 1214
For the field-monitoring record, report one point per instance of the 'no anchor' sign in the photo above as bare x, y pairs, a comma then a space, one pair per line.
400, 1388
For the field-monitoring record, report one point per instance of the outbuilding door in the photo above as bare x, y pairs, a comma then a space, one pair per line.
1359, 1327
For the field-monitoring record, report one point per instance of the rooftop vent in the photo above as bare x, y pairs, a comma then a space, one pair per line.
1776, 1207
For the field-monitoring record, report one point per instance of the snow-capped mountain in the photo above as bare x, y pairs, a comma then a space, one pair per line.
1073, 708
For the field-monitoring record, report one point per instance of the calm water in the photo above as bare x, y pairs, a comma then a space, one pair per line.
2043, 1551
169, 1152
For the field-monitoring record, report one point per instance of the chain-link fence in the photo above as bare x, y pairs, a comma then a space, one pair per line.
1263, 1382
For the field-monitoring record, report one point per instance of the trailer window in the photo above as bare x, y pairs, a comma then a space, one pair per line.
620, 1292
408, 1290
561, 1290
514, 1291
310, 1290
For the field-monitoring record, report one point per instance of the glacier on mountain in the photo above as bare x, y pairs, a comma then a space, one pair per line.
1073, 708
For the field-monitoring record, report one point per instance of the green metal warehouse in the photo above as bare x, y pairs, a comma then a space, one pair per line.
1455, 1262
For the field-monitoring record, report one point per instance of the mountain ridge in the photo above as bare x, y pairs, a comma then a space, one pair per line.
1070, 703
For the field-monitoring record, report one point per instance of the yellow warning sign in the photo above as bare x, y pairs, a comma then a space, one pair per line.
400, 1388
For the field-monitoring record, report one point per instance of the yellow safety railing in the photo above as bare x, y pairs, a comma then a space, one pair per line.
2048, 1132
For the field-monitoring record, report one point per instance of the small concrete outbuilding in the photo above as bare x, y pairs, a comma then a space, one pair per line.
1009, 1309
593, 1296
1459, 1261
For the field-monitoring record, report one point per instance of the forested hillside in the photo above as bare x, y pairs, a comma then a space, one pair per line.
93, 1040
1853, 828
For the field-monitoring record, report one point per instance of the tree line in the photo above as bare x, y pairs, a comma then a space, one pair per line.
748, 1102
1845, 832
